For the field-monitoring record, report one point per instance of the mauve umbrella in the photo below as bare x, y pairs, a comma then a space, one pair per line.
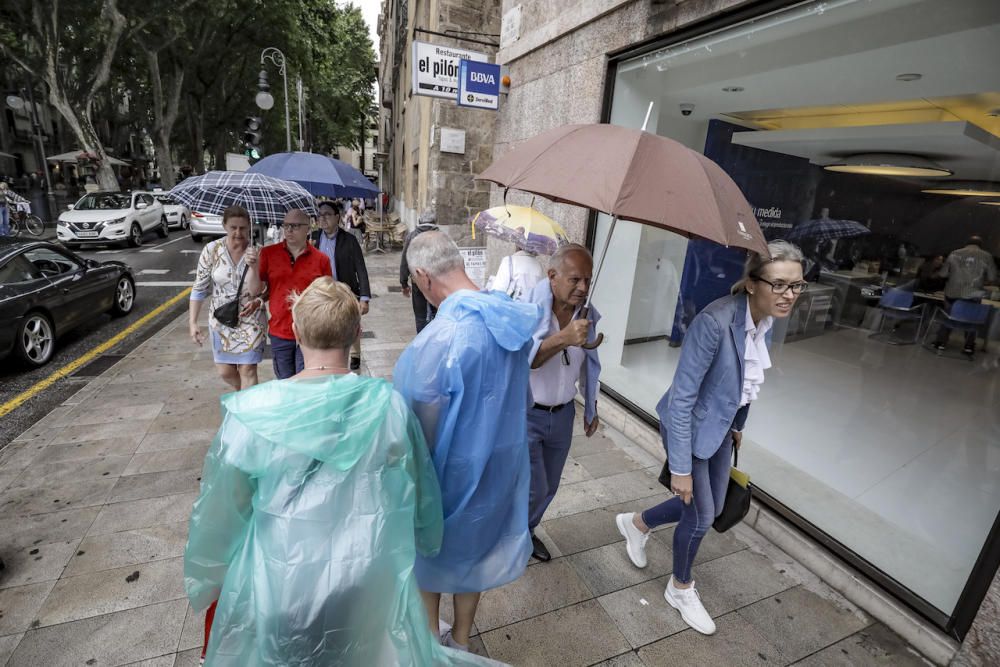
632, 175
319, 174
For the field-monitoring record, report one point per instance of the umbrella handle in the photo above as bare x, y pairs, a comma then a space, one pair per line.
584, 312
595, 344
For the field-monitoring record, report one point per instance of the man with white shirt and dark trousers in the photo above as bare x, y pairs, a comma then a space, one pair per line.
346, 259
558, 364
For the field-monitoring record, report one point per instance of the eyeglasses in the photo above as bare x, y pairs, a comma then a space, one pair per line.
328, 215
565, 357
781, 288
293, 225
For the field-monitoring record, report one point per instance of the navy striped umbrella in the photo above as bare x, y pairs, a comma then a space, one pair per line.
824, 229
266, 198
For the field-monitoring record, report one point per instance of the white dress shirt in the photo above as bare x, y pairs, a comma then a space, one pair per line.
756, 359
554, 383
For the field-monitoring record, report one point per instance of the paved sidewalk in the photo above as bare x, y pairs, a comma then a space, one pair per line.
94, 502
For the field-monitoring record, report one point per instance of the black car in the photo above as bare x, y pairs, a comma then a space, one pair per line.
46, 290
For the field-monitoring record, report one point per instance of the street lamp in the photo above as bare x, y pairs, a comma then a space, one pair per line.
264, 98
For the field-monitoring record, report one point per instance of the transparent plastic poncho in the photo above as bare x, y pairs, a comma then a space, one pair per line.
315, 498
466, 378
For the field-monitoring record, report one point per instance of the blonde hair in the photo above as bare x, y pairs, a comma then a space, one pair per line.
326, 315
778, 251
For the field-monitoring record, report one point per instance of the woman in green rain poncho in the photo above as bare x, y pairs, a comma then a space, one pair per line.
317, 493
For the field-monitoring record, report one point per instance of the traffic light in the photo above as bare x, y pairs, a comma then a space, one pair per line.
251, 137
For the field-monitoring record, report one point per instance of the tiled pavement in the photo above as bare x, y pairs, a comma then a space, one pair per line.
94, 501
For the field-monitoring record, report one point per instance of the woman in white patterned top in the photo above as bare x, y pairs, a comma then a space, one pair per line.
236, 350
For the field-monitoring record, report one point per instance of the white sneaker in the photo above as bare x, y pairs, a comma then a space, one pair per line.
688, 603
635, 539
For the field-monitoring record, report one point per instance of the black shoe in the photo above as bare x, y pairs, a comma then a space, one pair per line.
355, 363
968, 351
539, 551
939, 347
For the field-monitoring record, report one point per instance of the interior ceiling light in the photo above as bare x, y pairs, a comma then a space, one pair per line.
889, 164
990, 203
733, 89
909, 76
966, 189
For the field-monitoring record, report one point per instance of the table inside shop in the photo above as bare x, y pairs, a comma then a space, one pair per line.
849, 305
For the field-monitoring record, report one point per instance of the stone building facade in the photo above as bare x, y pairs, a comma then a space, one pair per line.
417, 174
558, 63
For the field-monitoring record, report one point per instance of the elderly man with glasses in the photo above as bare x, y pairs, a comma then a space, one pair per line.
286, 267
346, 259
558, 364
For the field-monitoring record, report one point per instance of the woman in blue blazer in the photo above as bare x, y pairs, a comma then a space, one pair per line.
720, 371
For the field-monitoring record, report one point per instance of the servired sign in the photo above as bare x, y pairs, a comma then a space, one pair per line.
478, 85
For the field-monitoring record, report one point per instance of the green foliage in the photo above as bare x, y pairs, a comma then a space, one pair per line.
213, 49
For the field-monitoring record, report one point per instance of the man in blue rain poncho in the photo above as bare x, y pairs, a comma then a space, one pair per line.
466, 378
316, 496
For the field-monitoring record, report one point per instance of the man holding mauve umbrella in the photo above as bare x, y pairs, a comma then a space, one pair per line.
558, 364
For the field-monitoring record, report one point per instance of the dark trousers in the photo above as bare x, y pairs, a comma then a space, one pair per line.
287, 357
423, 311
550, 435
945, 330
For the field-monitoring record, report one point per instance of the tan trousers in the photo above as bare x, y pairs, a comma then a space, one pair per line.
356, 348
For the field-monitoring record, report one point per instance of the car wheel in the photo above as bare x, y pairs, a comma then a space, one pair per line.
196, 238
184, 222
36, 340
163, 231
124, 297
135, 235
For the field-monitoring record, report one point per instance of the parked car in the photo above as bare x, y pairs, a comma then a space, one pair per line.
177, 214
46, 290
112, 217
205, 224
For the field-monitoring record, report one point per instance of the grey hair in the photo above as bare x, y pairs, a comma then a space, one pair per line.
428, 215
559, 256
435, 253
779, 251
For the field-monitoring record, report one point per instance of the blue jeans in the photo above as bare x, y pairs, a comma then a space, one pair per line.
4, 221
550, 435
709, 481
287, 357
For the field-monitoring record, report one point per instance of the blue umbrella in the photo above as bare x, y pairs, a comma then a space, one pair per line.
823, 229
319, 174
266, 199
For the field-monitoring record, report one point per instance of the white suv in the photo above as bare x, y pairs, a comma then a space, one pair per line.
112, 217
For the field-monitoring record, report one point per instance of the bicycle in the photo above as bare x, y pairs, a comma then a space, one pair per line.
22, 218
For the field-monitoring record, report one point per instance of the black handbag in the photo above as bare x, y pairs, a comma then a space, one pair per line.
738, 495
228, 314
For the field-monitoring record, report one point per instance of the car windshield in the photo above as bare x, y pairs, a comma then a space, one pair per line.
165, 200
104, 201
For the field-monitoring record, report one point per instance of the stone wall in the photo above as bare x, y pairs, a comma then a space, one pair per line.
558, 70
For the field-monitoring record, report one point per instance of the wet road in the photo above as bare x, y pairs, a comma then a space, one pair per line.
162, 268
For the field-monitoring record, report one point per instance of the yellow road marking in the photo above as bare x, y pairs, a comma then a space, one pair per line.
71, 367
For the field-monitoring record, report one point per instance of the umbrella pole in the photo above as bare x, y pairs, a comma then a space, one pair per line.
585, 312
600, 262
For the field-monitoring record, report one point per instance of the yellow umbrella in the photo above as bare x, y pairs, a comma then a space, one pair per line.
523, 226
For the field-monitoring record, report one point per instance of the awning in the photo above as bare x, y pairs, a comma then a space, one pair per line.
72, 156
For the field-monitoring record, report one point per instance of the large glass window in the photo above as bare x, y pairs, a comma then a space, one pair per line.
868, 133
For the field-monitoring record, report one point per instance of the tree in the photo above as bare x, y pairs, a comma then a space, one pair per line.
337, 59
71, 47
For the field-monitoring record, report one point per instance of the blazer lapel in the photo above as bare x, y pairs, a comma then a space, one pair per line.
739, 329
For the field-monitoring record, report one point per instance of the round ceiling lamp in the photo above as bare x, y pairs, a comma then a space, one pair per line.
889, 164
966, 189
990, 203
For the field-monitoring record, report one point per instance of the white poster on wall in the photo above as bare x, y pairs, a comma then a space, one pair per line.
435, 69
475, 264
452, 140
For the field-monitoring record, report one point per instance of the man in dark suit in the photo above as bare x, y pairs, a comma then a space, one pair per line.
346, 260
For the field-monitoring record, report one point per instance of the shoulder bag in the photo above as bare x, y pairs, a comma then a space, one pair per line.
738, 495
228, 314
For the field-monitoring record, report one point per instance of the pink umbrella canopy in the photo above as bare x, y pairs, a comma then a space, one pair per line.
632, 175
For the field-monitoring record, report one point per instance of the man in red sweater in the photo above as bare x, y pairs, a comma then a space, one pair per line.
286, 267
